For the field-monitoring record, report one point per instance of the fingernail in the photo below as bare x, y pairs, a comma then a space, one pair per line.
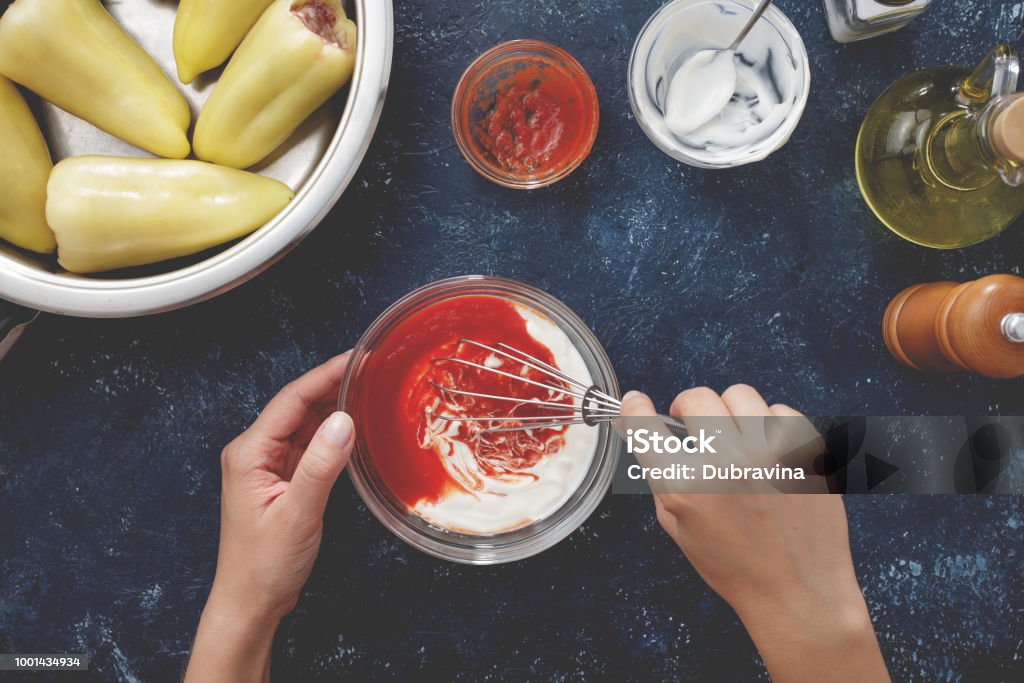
338, 429
630, 395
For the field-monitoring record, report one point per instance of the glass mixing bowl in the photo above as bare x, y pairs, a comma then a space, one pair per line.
356, 396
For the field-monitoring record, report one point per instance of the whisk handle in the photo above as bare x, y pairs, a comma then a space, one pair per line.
675, 425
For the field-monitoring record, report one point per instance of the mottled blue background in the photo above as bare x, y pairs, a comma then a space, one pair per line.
774, 274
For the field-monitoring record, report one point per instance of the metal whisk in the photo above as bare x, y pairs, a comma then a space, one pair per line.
591, 406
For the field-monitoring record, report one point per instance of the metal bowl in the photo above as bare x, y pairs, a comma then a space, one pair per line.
318, 162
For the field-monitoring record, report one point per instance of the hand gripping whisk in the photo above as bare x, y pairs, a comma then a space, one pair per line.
591, 406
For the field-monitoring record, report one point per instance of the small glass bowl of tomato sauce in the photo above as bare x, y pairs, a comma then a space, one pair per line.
525, 114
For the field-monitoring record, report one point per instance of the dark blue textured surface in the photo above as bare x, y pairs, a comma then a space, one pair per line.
773, 274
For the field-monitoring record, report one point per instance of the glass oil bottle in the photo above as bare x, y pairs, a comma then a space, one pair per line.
939, 155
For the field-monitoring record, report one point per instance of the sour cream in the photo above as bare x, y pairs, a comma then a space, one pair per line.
700, 89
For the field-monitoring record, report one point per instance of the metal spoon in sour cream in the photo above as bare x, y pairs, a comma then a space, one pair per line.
699, 90
704, 83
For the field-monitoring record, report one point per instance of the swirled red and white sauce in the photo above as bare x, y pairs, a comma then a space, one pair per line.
457, 475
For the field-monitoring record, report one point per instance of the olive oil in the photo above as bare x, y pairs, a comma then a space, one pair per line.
925, 159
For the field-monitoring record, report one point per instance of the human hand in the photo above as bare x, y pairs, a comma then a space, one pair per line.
782, 561
277, 476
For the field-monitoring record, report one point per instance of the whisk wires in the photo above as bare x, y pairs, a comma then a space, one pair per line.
590, 406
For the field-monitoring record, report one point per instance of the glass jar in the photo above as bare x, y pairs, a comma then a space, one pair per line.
850, 20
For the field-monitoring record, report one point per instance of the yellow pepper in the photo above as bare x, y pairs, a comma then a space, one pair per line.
116, 212
24, 169
298, 54
206, 32
72, 53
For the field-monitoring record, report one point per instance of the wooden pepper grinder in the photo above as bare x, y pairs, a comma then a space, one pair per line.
977, 326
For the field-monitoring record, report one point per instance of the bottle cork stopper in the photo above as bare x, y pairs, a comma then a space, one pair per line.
1008, 131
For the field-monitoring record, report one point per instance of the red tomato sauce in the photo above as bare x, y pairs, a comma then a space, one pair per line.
538, 120
394, 396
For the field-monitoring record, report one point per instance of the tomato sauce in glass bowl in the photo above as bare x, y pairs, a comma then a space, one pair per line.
525, 114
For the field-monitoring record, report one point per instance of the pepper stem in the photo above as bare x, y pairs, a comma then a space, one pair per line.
319, 17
